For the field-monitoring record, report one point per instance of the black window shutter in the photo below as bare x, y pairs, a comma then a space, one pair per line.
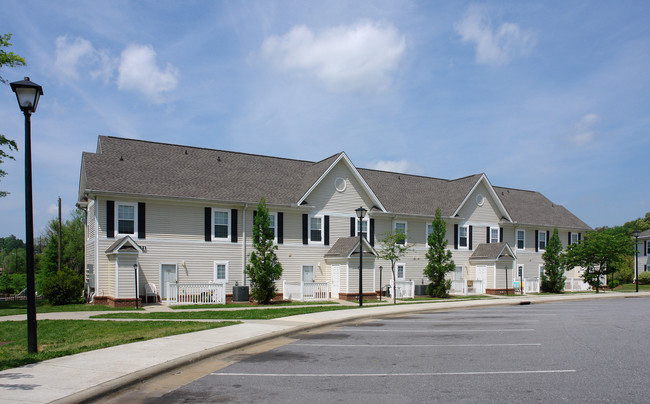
569, 239
233, 225
141, 220
536, 240
500, 234
326, 225
305, 228
207, 223
548, 236
470, 238
372, 232
645, 248
579, 237
110, 219
456, 237
280, 227
487, 235
352, 230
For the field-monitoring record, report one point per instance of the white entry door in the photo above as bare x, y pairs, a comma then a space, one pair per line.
481, 275
336, 281
168, 274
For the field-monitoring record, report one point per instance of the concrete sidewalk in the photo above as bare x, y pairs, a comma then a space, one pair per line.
80, 377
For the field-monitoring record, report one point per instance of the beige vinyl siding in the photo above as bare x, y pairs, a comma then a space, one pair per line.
126, 274
90, 220
368, 276
174, 221
487, 213
325, 197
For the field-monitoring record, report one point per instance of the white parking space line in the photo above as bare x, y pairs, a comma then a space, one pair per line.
498, 372
414, 346
374, 330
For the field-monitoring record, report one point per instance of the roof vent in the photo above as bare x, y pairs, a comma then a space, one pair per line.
398, 177
218, 158
121, 158
186, 152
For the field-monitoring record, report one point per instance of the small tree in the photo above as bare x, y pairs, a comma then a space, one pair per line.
553, 276
264, 268
63, 287
440, 262
598, 254
393, 247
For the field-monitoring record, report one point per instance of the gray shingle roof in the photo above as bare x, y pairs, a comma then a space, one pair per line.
645, 233
491, 251
344, 246
158, 169
530, 207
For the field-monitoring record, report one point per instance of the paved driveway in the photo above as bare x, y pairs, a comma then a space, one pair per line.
576, 352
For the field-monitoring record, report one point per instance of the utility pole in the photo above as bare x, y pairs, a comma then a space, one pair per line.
59, 234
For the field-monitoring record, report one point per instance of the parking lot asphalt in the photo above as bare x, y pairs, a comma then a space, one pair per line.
89, 375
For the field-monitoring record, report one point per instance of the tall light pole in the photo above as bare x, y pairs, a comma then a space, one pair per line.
28, 94
361, 213
636, 259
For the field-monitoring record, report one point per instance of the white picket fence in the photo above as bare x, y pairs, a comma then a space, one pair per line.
306, 291
404, 289
462, 287
196, 293
575, 285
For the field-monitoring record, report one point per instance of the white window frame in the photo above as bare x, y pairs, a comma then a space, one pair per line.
460, 231
135, 218
366, 221
520, 271
574, 236
541, 239
322, 229
227, 274
541, 270
648, 248
397, 266
523, 240
302, 272
493, 240
274, 222
227, 212
406, 228
427, 232
458, 273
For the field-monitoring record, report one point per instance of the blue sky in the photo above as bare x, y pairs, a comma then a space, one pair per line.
551, 96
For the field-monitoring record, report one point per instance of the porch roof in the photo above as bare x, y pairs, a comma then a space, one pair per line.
492, 251
347, 247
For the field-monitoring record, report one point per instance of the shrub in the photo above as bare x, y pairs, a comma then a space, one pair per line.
63, 287
613, 284
12, 283
644, 278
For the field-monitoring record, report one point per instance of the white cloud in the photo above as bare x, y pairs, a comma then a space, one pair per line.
493, 46
582, 133
138, 71
70, 54
73, 55
397, 166
358, 57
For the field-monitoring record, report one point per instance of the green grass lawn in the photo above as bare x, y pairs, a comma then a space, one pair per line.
250, 314
631, 287
42, 306
66, 337
251, 305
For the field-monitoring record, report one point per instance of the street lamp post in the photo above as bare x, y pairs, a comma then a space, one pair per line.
28, 94
507, 281
381, 269
636, 259
361, 213
135, 273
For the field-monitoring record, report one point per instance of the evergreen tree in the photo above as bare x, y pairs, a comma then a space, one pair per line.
553, 276
393, 247
264, 268
440, 262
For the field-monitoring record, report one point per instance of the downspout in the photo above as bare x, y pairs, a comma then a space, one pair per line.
243, 252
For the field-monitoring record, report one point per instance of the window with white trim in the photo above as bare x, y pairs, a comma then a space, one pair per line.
520, 271
463, 238
272, 225
574, 238
541, 240
541, 271
521, 239
125, 218
494, 234
458, 273
401, 271
400, 227
648, 248
429, 231
220, 224
221, 271
308, 273
316, 229
364, 227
